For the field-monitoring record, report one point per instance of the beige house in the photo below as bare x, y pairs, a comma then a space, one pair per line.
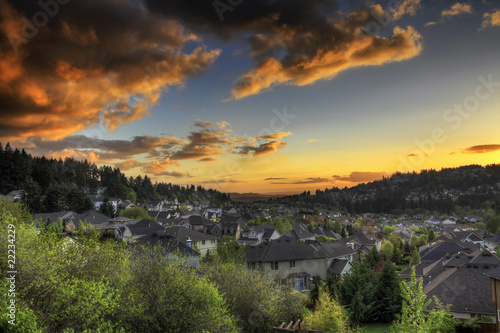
298, 262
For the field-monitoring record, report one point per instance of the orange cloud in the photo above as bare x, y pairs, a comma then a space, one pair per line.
363, 50
491, 19
479, 149
158, 167
457, 9
406, 7
112, 68
360, 176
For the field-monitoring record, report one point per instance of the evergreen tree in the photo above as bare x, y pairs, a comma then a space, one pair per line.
107, 208
432, 235
388, 295
415, 257
357, 292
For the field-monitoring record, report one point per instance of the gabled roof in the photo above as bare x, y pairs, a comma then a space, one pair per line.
233, 219
281, 250
443, 248
332, 249
90, 216
144, 227
467, 290
64, 216
198, 220
181, 234
169, 243
493, 239
337, 266
299, 234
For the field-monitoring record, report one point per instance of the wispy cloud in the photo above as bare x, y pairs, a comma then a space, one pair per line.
479, 149
361, 176
456, 9
310, 180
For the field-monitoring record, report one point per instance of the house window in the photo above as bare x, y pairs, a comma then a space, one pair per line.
194, 244
212, 241
231, 232
274, 265
203, 242
292, 263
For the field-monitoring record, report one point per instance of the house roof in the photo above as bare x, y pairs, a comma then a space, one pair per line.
280, 250
198, 220
182, 233
441, 249
299, 234
90, 216
467, 290
332, 249
144, 227
169, 243
337, 266
64, 216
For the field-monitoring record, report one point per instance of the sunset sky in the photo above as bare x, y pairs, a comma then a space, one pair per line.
251, 95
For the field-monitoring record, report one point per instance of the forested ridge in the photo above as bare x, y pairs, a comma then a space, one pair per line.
56, 185
445, 191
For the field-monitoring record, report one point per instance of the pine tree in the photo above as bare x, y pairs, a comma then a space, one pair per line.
415, 257
388, 294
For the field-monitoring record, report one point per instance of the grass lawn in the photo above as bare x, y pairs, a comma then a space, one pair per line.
376, 328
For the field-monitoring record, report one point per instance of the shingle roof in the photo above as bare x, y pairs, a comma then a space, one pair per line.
90, 216
198, 220
280, 250
442, 249
181, 234
169, 243
144, 227
299, 234
338, 266
467, 290
332, 249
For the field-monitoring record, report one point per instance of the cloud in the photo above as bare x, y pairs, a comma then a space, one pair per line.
312, 140
406, 7
274, 178
176, 174
210, 159
310, 180
325, 63
361, 176
274, 136
158, 167
203, 124
479, 149
96, 61
127, 165
223, 181
109, 149
491, 19
456, 9
262, 149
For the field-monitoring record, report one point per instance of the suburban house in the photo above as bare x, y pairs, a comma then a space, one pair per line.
142, 228
465, 236
299, 233
257, 234
492, 242
197, 222
363, 242
64, 216
296, 262
203, 242
174, 249
225, 229
494, 276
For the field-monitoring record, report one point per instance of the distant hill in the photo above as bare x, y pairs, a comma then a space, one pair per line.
448, 191
252, 197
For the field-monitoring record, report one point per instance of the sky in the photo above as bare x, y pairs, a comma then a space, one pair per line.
255, 96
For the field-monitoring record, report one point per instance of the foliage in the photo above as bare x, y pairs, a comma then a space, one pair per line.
283, 225
357, 292
257, 303
137, 213
388, 229
415, 257
387, 249
323, 238
328, 315
387, 295
431, 236
373, 257
107, 208
414, 319
232, 252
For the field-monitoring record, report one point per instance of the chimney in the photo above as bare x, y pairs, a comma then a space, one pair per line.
188, 241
